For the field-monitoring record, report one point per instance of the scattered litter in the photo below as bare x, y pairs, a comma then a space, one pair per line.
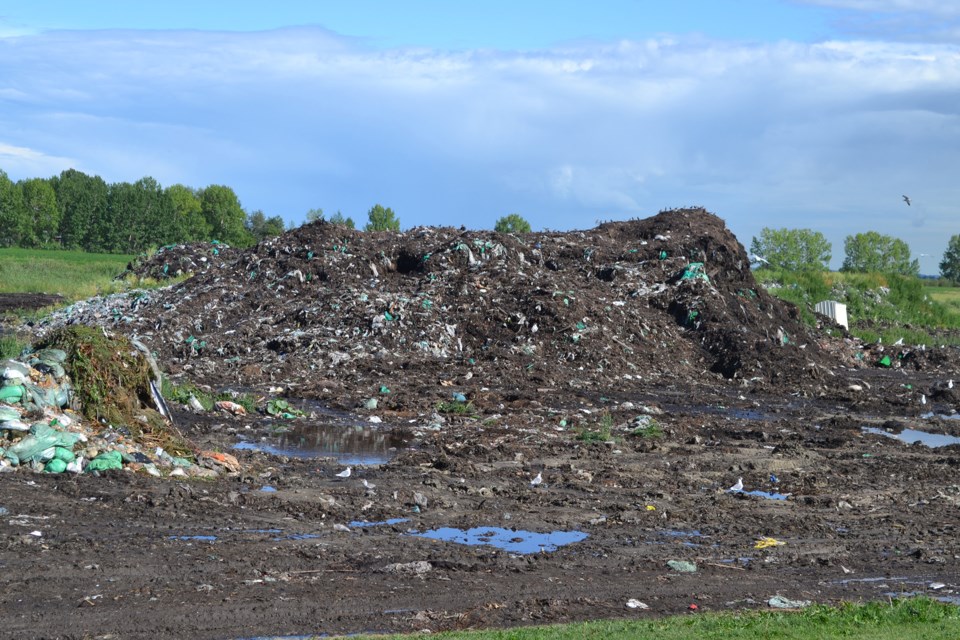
682, 566
417, 568
779, 602
766, 543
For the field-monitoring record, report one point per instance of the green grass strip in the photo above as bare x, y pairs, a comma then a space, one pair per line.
901, 619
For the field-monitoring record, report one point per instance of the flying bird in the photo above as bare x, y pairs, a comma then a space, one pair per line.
907, 200
737, 487
344, 474
536, 481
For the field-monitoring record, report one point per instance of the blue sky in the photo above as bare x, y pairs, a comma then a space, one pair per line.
793, 113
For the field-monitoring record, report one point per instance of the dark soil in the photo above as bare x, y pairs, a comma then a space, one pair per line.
10, 302
638, 394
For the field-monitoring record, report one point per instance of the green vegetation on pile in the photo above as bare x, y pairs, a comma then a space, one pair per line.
879, 305
111, 382
904, 619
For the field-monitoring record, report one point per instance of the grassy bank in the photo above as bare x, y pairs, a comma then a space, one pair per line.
898, 620
878, 305
73, 274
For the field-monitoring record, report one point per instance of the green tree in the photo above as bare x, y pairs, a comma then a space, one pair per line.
792, 249
141, 216
872, 251
260, 226
40, 203
189, 225
14, 221
223, 213
338, 218
950, 265
382, 219
513, 223
314, 214
82, 201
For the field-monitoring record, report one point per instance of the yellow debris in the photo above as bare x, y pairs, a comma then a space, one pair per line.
766, 542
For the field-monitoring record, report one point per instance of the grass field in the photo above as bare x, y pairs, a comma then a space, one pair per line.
947, 296
73, 274
904, 619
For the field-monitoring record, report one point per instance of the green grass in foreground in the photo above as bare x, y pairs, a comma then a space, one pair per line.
900, 620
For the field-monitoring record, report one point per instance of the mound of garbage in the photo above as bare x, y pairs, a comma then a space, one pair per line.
343, 314
83, 402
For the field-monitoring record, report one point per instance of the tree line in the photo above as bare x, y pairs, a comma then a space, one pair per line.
805, 249
82, 212
77, 211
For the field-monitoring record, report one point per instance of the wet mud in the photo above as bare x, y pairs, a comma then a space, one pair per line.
441, 523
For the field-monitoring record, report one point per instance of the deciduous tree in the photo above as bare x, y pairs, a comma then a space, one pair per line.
513, 223
872, 251
793, 249
950, 265
382, 219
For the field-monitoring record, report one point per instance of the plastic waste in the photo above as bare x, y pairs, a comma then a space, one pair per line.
105, 461
41, 440
682, 566
779, 602
11, 393
766, 543
694, 271
55, 466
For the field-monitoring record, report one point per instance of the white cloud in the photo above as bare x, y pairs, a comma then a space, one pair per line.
296, 119
23, 162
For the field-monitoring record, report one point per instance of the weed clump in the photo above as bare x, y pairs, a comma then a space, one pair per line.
111, 381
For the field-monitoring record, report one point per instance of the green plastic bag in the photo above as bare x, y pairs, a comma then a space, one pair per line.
40, 442
106, 460
11, 393
64, 454
55, 466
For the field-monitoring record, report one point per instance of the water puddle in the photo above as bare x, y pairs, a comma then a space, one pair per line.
389, 521
518, 541
197, 538
943, 416
769, 495
912, 436
349, 444
679, 533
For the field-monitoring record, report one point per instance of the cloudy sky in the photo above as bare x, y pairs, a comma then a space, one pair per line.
813, 114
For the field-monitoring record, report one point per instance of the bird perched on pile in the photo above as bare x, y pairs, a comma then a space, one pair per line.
536, 481
737, 487
344, 474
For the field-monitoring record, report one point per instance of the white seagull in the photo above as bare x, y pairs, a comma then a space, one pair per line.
737, 487
950, 383
923, 398
536, 481
344, 474
367, 485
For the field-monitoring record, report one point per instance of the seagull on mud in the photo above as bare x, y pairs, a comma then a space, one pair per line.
907, 200
367, 485
344, 474
536, 481
737, 487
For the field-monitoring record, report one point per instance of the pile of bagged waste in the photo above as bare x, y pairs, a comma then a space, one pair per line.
337, 313
175, 260
53, 424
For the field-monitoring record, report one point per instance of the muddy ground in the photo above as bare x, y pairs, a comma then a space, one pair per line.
636, 440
